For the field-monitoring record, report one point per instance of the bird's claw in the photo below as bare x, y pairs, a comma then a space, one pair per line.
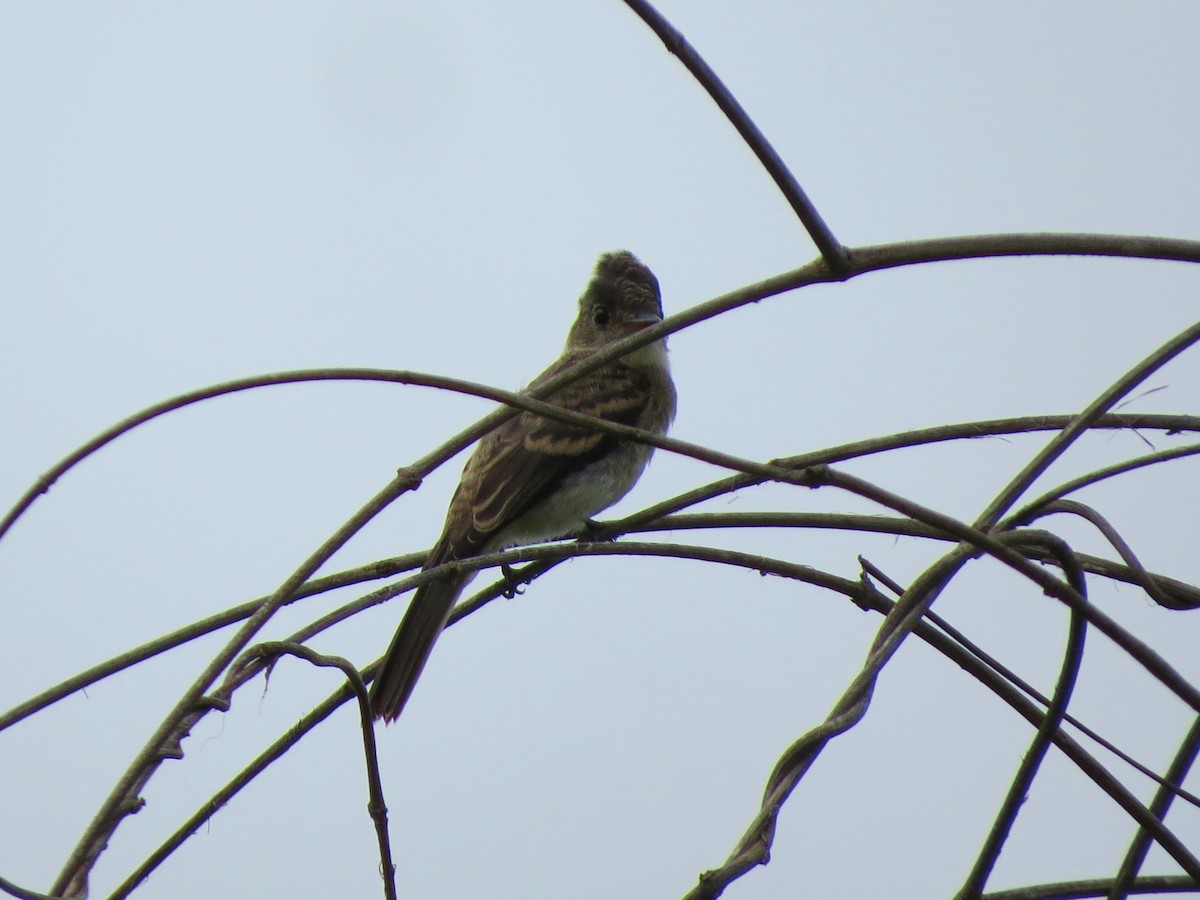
515, 585
594, 532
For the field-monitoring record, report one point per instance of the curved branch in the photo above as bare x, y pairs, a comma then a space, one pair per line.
909, 439
863, 594
751, 851
1136, 855
1032, 760
829, 247
1012, 678
376, 806
1172, 594
551, 554
1097, 887
977, 541
863, 260
1143, 578
192, 631
15, 890
166, 739
1031, 510
1103, 403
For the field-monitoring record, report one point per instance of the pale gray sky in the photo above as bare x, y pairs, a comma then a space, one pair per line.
194, 193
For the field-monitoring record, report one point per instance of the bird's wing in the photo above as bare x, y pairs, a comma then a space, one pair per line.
523, 461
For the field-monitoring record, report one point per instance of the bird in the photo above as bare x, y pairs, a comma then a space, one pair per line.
535, 479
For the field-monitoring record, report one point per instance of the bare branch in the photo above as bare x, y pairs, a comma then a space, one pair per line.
1097, 887
1123, 884
1032, 761
830, 248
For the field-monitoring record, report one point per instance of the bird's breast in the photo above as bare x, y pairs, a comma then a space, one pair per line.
580, 496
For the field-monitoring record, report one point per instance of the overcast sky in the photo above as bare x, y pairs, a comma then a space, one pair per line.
198, 192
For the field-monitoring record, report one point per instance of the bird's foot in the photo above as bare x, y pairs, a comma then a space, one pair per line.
515, 584
593, 532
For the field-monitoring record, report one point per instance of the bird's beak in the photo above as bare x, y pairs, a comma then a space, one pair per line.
637, 323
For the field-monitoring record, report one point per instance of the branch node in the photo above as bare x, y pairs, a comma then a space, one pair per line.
207, 702
407, 478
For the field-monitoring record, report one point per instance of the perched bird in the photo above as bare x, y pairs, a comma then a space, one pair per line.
536, 479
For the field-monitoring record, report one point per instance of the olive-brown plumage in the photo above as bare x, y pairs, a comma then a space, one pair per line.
536, 479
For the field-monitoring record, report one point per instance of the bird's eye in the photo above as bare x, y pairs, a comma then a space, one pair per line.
601, 316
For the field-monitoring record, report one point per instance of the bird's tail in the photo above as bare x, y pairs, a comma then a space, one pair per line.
419, 629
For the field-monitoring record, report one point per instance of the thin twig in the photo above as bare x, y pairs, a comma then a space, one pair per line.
749, 851
1173, 594
1098, 887
373, 571
753, 849
1144, 579
1102, 404
165, 742
1159, 806
376, 806
1025, 687
1026, 514
864, 260
1018, 791
978, 540
542, 555
211, 806
15, 890
829, 247
912, 439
